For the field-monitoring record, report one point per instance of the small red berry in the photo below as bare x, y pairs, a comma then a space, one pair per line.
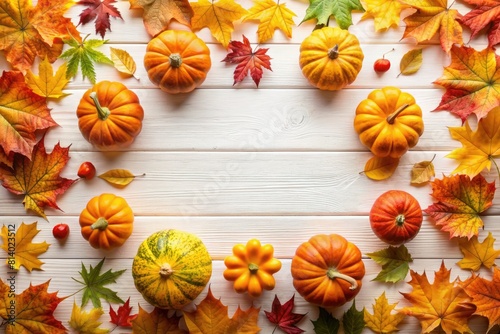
86, 170
382, 64
60, 231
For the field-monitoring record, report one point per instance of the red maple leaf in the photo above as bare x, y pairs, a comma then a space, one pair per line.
122, 316
283, 317
248, 60
100, 11
485, 15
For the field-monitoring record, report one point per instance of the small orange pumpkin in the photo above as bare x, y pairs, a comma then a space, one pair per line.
107, 221
110, 115
177, 61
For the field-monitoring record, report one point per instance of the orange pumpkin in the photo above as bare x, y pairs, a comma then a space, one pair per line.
107, 221
177, 61
110, 116
327, 270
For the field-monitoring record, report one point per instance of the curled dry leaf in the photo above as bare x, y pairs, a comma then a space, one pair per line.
378, 169
411, 62
123, 61
118, 177
422, 172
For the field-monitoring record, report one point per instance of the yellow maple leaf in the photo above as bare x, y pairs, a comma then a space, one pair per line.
87, 322
272, 15
382, 320
218, 16
477, 253
46, 84
20, 249
385, 13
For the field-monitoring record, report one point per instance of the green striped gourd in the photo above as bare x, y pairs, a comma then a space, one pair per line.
171, 268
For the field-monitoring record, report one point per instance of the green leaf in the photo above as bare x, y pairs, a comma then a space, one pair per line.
353, 320
394, 261
341, 9
94, 283
326, 323
411, 62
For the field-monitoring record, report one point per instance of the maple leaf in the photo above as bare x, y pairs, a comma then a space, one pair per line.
271, 16
34, 310
27, 33
158, 13
385, 13
87, 322
46, 84
477, 253
37, 177
326, 323
122, 316
480, 147
442, 304
460, 201
22, 113
25, 253
394, 261
485, 296
248, 61
218, 16
94, 285
472, 82
353, 321
100, 11
383, 320
433, 17
156, 322
485, 15
283, 317
321, 10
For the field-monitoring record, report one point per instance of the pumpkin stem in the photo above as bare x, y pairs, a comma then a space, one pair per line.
400, 219
175, 60
332, 274
100, 224
392, 117
102, 112
253, 268
166, 270
333, 53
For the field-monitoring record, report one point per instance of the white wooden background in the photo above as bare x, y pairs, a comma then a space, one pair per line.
279, 163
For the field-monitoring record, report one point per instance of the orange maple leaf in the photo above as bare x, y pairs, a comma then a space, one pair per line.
156, 322
460, 201
37, 177
441, 304
433, 17
33, 310
28, 32
472, 82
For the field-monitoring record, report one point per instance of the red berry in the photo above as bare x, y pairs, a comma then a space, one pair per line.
382, 65
86, 170
60, 231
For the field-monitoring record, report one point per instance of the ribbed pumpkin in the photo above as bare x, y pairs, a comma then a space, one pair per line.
177, 61
389, 122
110, 115
327, 270
171, 268
330, 58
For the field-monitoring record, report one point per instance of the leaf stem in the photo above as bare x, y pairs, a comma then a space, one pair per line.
496, 166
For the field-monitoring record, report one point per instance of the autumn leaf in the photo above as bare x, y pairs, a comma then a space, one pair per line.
460, 201
87, 322
353, 320
94, 285
383, 320
218, 16
156, 322
122, 316
433, 17
157, 14
22, 113
28, 32
282, 316
248, 61
37, 178
486, 15
472, 82
479, 147
34, 310
395, 262
380, 168
442, 304
321, 10
46, 84
326, 323
123, 61
100, 11
118, 177
422, 172
385, 13
411, 62
477, 253
271, 16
